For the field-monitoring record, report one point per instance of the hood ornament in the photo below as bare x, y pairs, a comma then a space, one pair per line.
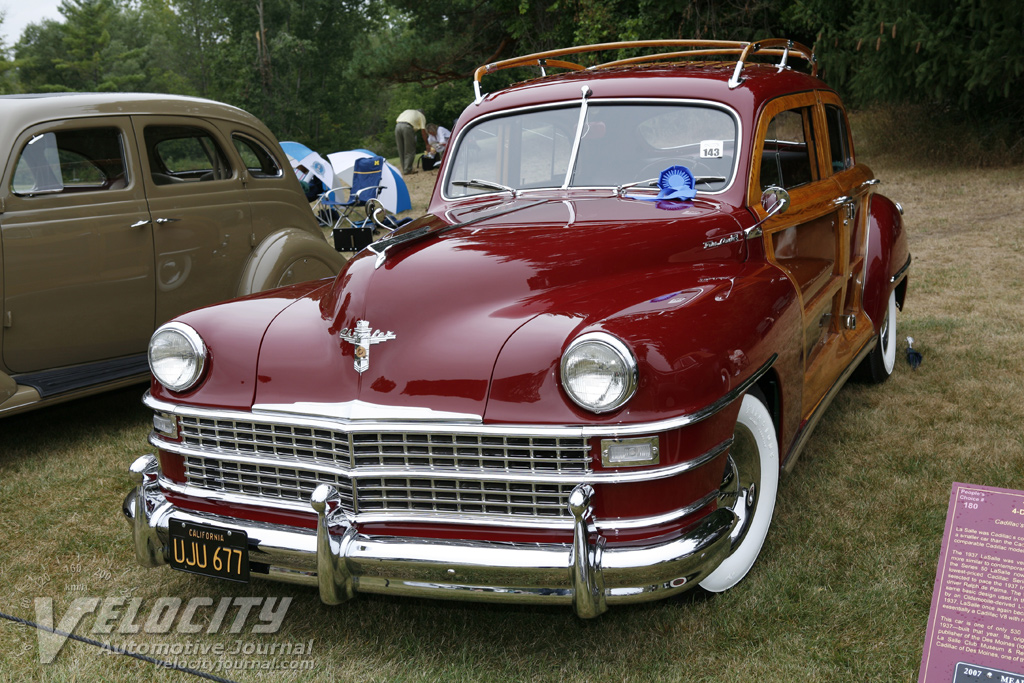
362, 339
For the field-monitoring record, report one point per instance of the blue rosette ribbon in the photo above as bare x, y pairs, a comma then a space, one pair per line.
676, 183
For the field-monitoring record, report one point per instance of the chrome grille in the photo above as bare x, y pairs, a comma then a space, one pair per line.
446, 473
268, 481
470, 451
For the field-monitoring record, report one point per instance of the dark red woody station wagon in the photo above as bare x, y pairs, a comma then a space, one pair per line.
576, 381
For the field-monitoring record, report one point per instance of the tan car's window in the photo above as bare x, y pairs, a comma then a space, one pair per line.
86, 160
182, 154
259, 162
788, 156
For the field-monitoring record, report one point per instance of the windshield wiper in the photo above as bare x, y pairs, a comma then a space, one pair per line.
487, 184
650, 182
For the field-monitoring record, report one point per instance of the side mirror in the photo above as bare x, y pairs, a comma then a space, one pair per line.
774, 200
376, 211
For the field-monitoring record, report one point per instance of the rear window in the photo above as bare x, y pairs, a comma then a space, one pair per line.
81, 160
838, 142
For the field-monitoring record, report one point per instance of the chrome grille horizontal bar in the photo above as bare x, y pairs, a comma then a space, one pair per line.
432, 450
471, 497
266, 481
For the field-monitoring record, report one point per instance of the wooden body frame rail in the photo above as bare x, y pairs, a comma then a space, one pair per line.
773, 47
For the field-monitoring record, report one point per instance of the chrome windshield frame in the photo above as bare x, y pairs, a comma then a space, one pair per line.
590, 101
580, 124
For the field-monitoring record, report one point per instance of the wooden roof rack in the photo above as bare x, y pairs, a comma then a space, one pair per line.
685, 49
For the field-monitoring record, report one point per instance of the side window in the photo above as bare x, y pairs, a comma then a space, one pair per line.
839, 144
179, 154
788, 156
259, 161
83, 160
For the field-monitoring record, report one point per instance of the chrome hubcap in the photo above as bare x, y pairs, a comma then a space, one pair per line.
738, 491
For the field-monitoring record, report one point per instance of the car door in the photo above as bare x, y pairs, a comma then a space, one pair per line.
854, 184
77, 246
810, 242
201, 215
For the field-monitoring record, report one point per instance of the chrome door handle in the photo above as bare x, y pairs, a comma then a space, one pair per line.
139, 224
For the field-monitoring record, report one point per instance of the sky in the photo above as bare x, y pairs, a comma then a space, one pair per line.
20, 13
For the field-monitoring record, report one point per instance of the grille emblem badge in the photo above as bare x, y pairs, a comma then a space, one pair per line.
362, 338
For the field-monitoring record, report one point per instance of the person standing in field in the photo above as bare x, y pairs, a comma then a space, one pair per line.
408, 122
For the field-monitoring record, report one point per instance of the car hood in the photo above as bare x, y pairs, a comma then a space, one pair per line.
434, 313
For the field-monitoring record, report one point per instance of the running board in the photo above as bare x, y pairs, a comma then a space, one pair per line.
62, 380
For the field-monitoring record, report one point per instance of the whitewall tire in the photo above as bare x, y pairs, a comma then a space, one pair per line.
879, 364
749, 488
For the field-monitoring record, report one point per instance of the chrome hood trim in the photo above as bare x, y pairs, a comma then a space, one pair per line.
361, 411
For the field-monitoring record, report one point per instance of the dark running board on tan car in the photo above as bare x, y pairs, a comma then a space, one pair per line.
63, 380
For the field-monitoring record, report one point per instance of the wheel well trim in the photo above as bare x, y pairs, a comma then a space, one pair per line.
284, 246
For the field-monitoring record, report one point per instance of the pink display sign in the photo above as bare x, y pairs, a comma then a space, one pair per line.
976, 626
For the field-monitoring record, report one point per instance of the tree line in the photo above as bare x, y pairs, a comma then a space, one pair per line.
333, 74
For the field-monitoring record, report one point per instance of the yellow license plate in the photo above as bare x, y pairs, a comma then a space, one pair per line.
210, 551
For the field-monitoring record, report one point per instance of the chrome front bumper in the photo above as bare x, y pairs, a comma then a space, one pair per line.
342, 561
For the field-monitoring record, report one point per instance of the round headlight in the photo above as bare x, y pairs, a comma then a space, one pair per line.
599, 372
177, 356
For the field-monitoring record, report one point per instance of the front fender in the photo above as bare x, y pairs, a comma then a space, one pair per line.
696, 334
233, 333
286, 257
887, 255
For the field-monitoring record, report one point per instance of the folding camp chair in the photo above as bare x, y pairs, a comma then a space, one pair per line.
366, 185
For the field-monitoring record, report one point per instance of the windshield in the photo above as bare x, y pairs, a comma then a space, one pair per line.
622, 143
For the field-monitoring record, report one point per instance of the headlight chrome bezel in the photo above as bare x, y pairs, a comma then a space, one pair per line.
628, 367
195, 342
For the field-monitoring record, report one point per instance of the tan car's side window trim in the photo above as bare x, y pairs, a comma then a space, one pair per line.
71, 160
256, 157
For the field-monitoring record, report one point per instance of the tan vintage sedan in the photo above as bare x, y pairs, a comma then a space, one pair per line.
121, 211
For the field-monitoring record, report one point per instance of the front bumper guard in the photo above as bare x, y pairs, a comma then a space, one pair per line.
341, 561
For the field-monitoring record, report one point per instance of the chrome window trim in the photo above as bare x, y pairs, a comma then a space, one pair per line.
578, 431
590, 477
591, 102
578, 138
250, 140
541, 523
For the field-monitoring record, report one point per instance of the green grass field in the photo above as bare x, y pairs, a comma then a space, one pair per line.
842, 590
